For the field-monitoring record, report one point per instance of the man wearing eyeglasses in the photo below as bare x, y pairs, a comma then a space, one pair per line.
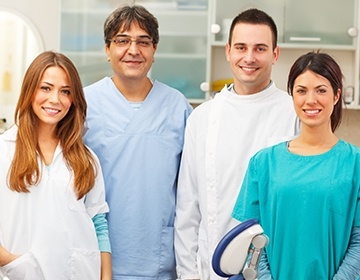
136, 127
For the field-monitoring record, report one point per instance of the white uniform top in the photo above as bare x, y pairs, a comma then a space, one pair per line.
221, 135
49, 227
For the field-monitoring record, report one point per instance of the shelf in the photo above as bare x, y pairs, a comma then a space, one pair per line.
301, 46
97, 54
104, 12
166, 10
180, 56
196, 101
317, 46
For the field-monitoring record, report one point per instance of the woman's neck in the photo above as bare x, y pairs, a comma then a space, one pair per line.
47, 142
313, 142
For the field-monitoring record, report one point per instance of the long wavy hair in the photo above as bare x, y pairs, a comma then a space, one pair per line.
25, 171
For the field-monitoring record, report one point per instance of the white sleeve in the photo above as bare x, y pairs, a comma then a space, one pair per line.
95, 199
187, 217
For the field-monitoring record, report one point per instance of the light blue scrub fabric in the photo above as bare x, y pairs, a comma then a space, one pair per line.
139, 151
307, 205
102, 232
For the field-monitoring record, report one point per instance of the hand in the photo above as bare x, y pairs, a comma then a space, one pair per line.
6, 257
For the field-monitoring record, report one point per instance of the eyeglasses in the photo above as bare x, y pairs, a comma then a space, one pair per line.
125, 42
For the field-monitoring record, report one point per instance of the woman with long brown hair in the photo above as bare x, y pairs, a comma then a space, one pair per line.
52, 199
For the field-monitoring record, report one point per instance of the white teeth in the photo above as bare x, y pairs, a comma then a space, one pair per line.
312, 111
52, 111
248, 69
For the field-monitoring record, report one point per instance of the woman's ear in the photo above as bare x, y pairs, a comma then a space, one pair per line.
337, 96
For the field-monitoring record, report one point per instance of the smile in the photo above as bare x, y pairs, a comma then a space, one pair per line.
51, 111
248, 69
312, 112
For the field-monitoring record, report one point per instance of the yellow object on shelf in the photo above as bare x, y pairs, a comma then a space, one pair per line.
7, 82
219, 84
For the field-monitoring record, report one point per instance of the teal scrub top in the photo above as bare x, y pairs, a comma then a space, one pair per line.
307, 205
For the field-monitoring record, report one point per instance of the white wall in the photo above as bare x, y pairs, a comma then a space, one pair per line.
21, 42
42, 15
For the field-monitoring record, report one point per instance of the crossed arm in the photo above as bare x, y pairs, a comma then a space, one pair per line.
5, 256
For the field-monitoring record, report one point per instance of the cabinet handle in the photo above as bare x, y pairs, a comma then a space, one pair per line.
305, 39
215, 28
353, 32
205, 86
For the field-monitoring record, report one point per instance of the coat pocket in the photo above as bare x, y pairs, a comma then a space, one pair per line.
85, 264
26, 267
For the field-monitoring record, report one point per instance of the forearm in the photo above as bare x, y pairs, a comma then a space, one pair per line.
186, 244
106, 267
350, 267
263, 267
5, 256
102, 234
187, 220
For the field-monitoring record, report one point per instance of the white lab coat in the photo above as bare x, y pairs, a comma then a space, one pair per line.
221, 136
51, 230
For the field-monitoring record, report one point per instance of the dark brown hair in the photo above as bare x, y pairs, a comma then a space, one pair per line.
322, 64
255, 16
124, 16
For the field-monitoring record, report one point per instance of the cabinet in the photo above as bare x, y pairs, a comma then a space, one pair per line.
180, 60
303, 26
81, 37
193, 34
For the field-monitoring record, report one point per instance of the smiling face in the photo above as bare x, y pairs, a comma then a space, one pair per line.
52, 99
251, 57
132, 61
314, 99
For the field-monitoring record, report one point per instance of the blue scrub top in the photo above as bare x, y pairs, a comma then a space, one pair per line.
139, 151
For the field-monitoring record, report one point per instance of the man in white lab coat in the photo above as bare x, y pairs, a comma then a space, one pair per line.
221, 136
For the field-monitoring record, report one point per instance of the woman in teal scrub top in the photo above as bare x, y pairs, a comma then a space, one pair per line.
305, 192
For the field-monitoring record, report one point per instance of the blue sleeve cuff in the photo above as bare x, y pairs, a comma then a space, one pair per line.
102, 232
350, 267
263, 267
